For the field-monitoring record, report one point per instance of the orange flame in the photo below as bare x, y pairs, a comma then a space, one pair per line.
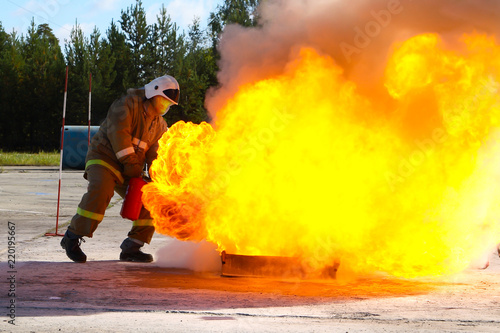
304, 165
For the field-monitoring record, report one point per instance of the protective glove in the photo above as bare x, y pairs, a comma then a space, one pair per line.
132, 166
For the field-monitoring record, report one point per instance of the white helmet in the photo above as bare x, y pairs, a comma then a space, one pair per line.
165, 86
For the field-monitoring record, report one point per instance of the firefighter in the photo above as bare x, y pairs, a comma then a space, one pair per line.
126, 141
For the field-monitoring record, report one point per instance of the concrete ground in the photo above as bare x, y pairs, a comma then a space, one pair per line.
42, 291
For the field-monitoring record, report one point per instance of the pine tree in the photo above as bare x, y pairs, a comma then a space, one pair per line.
133, 24
122, 61
101, 66
196, 76
11, 65
77, 59
162, 40
242, 12
46, 70
31, 67
3, 70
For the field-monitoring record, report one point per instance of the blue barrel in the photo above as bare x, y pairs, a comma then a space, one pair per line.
75, 146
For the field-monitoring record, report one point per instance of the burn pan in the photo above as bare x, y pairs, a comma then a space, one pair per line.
237, 265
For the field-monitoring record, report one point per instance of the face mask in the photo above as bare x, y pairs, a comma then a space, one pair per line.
161, 105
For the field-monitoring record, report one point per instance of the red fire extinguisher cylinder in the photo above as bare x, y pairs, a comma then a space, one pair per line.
132, 204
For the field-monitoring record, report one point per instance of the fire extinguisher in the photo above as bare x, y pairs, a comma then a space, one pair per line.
132, 204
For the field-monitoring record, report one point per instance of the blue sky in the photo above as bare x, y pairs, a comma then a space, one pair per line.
62, 14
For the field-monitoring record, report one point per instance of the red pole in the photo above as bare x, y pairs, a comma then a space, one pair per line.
61, 160
90, 100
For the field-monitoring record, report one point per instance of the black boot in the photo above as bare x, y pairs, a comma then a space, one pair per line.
131, 251
72, 247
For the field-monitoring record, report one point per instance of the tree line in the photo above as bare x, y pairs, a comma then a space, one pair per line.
129, 53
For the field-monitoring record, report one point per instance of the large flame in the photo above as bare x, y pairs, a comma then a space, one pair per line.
302, 164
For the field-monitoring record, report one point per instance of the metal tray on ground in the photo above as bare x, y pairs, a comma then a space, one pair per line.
237, 265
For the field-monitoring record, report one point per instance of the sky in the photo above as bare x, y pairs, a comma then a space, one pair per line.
61, 15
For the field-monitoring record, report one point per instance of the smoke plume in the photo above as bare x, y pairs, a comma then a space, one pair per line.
357, 34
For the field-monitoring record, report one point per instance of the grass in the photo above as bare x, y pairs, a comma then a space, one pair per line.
32, 159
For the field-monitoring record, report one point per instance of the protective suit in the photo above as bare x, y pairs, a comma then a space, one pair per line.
125, 142
130, 130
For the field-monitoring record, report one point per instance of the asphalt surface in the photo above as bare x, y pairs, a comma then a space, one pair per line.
42, 291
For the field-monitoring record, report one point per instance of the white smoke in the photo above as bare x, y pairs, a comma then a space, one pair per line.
198, 257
